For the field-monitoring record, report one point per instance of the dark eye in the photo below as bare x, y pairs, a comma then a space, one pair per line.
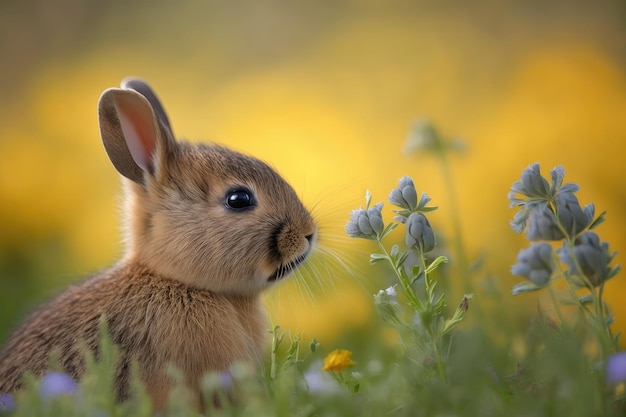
239, 199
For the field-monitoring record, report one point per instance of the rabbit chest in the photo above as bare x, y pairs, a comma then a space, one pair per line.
158, 321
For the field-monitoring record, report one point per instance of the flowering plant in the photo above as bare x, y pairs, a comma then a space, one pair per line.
550, 212
429, 325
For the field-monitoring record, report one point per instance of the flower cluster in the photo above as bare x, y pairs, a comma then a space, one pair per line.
367, 223
417, 281
550, 211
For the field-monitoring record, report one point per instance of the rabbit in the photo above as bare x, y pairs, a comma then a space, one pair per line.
207, 229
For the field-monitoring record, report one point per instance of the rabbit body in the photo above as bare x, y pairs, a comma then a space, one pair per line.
207, 229
153, 320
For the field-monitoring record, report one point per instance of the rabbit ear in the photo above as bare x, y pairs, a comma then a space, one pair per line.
130, 133
145, 90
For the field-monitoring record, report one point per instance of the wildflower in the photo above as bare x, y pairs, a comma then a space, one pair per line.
539, 195
387, 305
337, 360
390, 293
419, 234
366, 223
616, 368
592, 257
542, 225
532, 184
572, 217
405, 195
535, 263
319, 382
422, 135
7, 403
218, 381
54, 384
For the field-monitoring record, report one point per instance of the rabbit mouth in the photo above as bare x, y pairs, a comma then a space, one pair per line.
285, 270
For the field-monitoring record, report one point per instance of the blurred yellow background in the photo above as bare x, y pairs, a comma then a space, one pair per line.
325, 92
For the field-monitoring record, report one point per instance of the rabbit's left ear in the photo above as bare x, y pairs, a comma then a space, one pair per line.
131, 133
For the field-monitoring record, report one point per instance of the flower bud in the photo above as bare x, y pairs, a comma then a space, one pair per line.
7, 403
419, 234
535, 263
367, 224
405, 195
542, 225
54, 384
591, 255
616, 368
532, 184
572, 217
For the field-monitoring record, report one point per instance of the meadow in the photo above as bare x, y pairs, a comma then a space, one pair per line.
338, 97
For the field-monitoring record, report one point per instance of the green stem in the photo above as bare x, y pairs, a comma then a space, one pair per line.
598, 319
440, 364
555, 304
417, 304
403, 279
459, 247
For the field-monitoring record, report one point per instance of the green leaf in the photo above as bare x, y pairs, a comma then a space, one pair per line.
598, 220
524, 287
614, 271
395, 249
585, 299
434, 264
404, 212
401, 259
428, 209
440, 303
388, 229
415, 272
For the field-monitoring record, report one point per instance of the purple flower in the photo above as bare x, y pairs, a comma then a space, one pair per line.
535, 263
532, 184
320, 382
419, 234
542, 224
54, 384
7, 403
592, 256
533, 193
616, 368
366, 223
572, 217
405, 195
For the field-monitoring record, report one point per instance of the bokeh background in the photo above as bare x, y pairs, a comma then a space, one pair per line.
326, 92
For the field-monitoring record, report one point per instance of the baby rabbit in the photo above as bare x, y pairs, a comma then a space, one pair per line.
206, 230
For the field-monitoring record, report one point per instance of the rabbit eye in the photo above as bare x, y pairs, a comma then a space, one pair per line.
239, 199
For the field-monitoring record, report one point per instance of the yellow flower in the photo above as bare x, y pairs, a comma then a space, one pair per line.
337, 360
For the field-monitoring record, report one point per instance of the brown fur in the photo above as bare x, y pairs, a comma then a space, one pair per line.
186, 292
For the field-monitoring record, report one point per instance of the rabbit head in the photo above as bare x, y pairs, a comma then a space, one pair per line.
201, 214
